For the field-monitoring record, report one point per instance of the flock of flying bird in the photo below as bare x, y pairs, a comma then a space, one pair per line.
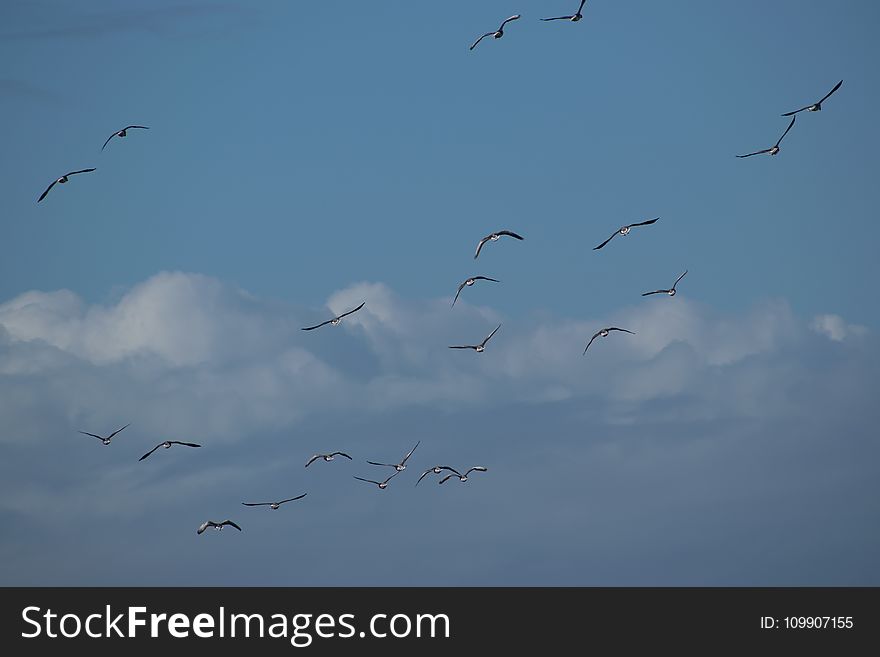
468, 282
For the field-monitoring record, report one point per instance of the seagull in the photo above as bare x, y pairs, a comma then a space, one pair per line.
216, 525
574, 19
274, 505
604, 334
471, 281
479, 348
670, 291
104, 440
624, 230
773, 150
327, 457
63, 179
123, 133
494, 237
381, 484
462, 477
498, 33
398, 466
437, 469
167, 444
816, 107
335, 320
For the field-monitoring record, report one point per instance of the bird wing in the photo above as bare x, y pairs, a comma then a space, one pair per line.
489, 337
93, 435
177, 442
766, 150
678, 279
614, 328
43, 195
480, 39
129, 127
424, 474
796, 111
558, 18
388, 465
449, 476
396, 472
313, 459
73, 173
150, 452
462, 346
507, 20
108, 141
460, 288
486, 278
341, 454
476, 468
582, 6
298, 497
596, 248
790, 125
480, 245
369, 481
256, 503
203, 527
655, 292
117, 431
311, 328
644, 223
229, 522
351, 311
410, 453
510, 233
596, 335
836, 87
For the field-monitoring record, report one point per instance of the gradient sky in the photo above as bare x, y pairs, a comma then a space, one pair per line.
304, 157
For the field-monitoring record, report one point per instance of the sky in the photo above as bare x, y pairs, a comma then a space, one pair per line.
303, 158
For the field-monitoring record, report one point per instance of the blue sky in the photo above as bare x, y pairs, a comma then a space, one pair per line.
303, 158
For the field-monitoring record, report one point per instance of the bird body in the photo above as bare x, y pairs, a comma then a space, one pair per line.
670, 291
494, 237
479, 348
398, 466
275, 505
327, 457
167, 445
336, 320
624, 230
469, 283
123, 133
497, 34
104, 439
604, 333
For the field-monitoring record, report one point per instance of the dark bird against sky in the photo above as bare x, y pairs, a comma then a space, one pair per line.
216, 525
275, 505
670, 291
603, 333
462, 477
105, 440
573, 18
497, 33
624, 230
381, 484
335, 320
123, 133
470, 281
63, 179
398, 466
479, 348
494, 237
167, 444
327, 457
773, 150
817, 106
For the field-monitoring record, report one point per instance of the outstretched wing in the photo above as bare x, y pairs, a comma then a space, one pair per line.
313, 459
291, 499
644, 223
108, 140
387, 465
424, 474
460, 288
369, 481
93, 435
614, 328
510, 233
462, 346
142, 127
596, 335
486, 278
204, 526
480, 245
341, 454
645, 294
43, 195
117, 431
229, 522
678, 279
558, 18
796, 111
449, 476
73, 173
836, 87
177, 442
582, 6
507, 20
790, 125
480, 39
351, 311
150, 452
766, 150
410, 453
489, 337
312, 328
596, 248
256, 503
396, 472
476, 468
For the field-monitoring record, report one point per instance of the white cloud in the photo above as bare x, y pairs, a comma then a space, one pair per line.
835, 327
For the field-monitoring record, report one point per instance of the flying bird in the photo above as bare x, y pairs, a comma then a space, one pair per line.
437, 469
463, 477
479, 348
624, 230
335, 320
167, 444
216, 525
63, 179
670, 291
497, 33
604, 334
470, 281
773, 150
574, 19
816, 107
381, 484
275, 505
104, 440
327, 457
398, 466
494, 237
123, 133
